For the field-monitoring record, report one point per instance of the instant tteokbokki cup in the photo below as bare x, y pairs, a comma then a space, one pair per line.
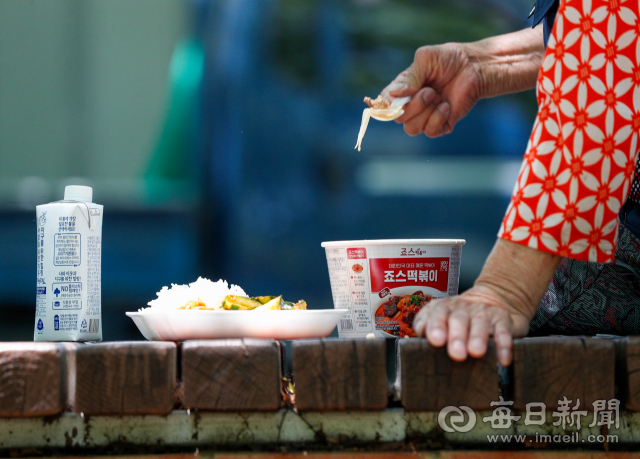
384, 283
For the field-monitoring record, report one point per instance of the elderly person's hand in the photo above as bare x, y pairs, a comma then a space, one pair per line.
501, 304
447, 80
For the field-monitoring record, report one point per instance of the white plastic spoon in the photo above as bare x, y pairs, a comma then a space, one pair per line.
381, 114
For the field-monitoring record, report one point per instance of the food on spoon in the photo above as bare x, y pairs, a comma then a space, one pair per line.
378, 102
382, 110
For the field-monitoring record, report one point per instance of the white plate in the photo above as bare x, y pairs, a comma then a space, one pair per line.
185, 325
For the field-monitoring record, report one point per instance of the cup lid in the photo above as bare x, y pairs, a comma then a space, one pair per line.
394, 242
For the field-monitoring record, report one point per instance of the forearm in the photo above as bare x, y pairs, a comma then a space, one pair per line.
508, 63
519, 274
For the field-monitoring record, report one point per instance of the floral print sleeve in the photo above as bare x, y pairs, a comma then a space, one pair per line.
581, 155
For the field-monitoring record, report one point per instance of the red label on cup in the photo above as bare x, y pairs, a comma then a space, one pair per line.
398, 272
357, 254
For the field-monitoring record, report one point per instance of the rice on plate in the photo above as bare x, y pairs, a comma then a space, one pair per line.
210, 293
221, 312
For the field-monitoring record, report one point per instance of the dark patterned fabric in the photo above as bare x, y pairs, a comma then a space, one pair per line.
544, 11
594, 298
634, 193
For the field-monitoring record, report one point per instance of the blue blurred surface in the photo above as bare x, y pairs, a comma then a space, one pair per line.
271, 153
279, 150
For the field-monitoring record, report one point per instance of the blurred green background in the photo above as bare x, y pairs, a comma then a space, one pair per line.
83, 86
219, 136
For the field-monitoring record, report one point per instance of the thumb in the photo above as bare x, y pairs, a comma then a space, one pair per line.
406, 83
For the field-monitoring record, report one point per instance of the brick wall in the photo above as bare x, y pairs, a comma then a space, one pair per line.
44, 379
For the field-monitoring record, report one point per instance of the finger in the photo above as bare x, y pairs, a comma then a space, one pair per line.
437, 318
416, 124
478, 336
420, 322
437, 124
394, 85
458, 332
412, 108
400, 86
425, 99
397, 87
504, 342
412, 77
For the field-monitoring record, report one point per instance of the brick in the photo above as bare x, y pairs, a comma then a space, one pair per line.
330, 455
548, 454
232, 375
442, 454
628, 372
340, 374
134, 377
33, 379
429, 380
547, 369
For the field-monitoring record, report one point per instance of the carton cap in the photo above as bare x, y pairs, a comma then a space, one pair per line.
78, 193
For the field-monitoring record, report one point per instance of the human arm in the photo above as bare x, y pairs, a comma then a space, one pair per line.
447, 80
501, 304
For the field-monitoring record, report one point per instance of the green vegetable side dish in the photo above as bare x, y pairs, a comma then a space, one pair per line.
264, 303
263, 299
240, 303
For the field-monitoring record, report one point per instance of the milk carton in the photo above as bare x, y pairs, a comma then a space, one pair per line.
69, 246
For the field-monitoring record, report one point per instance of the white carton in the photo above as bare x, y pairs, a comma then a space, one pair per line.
385, 283
69, 249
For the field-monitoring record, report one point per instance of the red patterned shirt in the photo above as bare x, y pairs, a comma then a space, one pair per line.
581, 154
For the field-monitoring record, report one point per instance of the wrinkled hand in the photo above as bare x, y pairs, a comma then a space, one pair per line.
445, 83
465, 322
447, 80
